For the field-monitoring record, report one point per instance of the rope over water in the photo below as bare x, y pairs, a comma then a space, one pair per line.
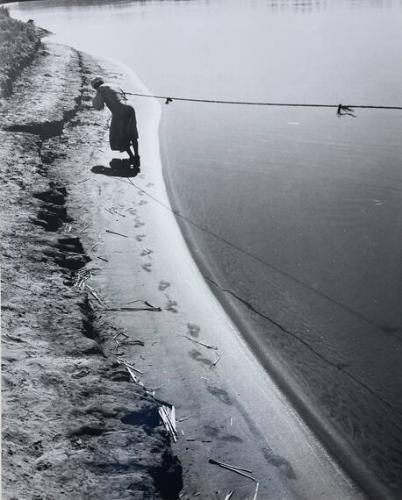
341, 109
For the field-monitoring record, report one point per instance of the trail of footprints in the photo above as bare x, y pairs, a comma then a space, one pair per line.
193, 330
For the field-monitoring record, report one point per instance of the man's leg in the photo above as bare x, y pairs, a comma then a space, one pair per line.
135, 146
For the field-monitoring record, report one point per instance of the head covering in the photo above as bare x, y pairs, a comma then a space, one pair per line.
97, 81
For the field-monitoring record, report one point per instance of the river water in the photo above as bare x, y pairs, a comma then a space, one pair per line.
295, 214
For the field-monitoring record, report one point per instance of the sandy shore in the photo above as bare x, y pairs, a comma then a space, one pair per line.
114, 236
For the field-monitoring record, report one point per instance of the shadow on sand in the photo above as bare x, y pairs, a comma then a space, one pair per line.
118, 168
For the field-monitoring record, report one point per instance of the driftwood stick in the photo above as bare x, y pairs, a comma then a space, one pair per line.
82, 182
217, 359
169, 419
155, 309
95, 295
114, 232
256, 490
202, 343
237, 470
134, 376
216, 462
148, 304
129, 365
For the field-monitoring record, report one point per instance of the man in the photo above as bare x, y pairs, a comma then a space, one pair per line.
123, 134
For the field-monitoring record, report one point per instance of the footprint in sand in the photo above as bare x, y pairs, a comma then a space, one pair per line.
139, 224
171, 306
132, 211
163, 285
147, 267
141, 176
200, 358
150, 184
278, 461
221, 394
218, 433
140, 237
193, 329
146, 252
143, 202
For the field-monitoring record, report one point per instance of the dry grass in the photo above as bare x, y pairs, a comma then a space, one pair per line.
18, 43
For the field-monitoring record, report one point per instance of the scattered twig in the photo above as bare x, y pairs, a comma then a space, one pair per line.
82, 182
233, 468
168, 416
120, 334
133, 375
114, 232
217, 359
150, 305
257, 485
94, 246
130, 342
80, 278
95, 295
148, 308
137, 370
202, 343
143, 301
229, 495
199, 439
22, 287
131, 366
102, 258
182, 419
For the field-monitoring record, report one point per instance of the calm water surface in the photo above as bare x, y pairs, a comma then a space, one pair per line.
302, 210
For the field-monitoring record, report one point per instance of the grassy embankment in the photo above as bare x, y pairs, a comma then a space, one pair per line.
18, 44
